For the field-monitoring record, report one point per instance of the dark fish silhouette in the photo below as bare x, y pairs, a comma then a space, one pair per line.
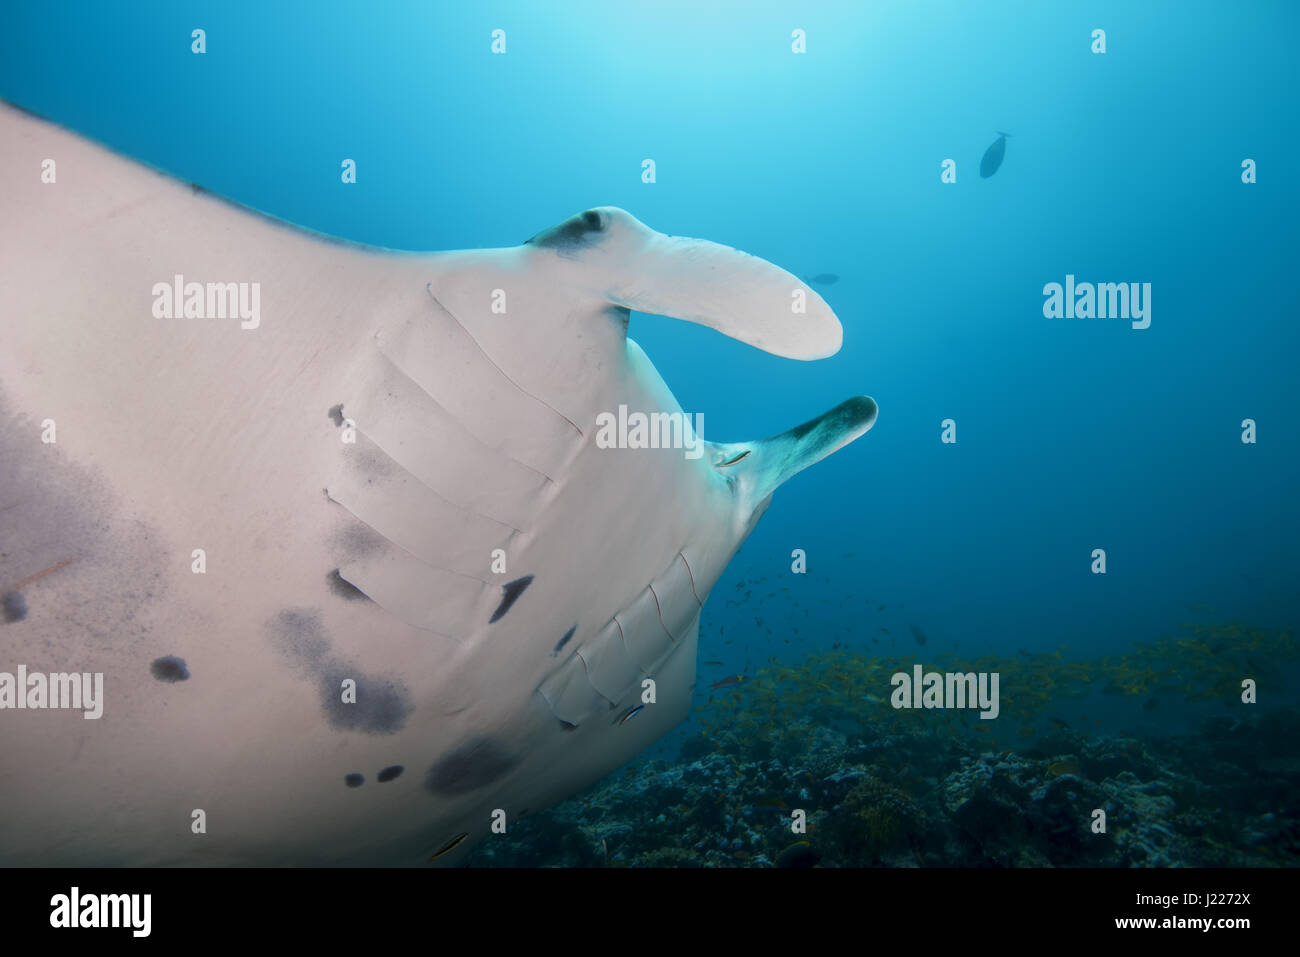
822, 279
728, 682
993, 156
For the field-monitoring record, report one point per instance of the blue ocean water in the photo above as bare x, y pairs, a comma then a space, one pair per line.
1072, 434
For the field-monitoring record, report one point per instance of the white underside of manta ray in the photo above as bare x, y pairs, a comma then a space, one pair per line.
329, 561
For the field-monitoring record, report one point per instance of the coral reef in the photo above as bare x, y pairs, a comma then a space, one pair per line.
808, 765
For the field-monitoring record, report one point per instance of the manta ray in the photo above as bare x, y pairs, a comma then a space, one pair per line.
334, 524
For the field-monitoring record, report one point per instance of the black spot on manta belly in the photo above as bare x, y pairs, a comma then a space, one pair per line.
169, 668
336, 414
564, 641
355, 541
343, 588
61, 522
475, 764
14, 606
575, 231
510, 593
390, 772
382, 704
354, 780
298, 634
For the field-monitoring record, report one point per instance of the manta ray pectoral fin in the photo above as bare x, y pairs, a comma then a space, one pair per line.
758, 468
739, 295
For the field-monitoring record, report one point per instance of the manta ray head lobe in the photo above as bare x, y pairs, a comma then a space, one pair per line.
845, 417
